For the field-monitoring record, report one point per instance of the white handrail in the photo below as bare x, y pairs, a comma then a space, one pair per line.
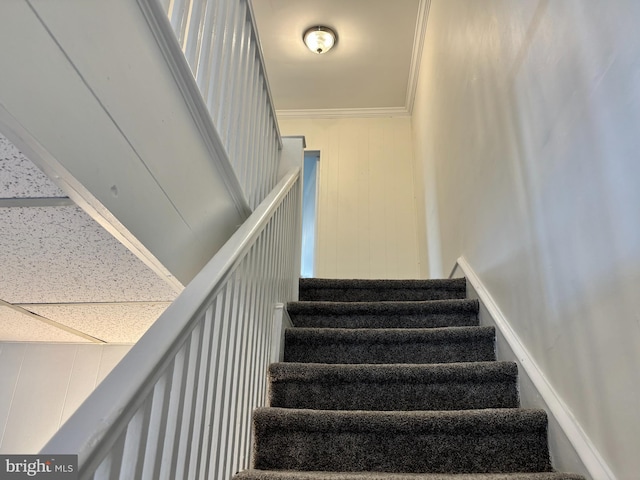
221, 45
179, 404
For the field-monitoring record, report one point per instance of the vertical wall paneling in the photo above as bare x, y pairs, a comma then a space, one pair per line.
11, 358
402, 138
82, 380
347, 210
367, 215
43, 365
363, 214
64, 374
109, 358
378, 203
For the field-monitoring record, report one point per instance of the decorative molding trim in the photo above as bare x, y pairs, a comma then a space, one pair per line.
589, 455
26, 202
416, 56
344, 113
53, 323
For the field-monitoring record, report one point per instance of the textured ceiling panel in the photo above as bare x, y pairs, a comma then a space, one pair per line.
113, 323
18, 327
60, 255
19, 178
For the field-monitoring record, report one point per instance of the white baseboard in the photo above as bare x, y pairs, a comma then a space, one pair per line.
281, 321
570, 447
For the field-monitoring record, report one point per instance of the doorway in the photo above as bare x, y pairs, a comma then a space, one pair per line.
309, 213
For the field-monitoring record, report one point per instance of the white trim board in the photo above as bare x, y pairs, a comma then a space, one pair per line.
344, 113
570, 446
405, 110
416, 54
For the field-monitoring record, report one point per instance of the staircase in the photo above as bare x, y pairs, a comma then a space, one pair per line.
394, 380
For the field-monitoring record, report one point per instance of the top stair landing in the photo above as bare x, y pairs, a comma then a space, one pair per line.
346, 290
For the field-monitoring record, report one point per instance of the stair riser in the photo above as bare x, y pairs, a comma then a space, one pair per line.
393, 396
409, 453
292, 475
384, 321
375, 295
477, 350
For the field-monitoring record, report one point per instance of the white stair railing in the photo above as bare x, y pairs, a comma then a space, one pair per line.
179, 404
220, 42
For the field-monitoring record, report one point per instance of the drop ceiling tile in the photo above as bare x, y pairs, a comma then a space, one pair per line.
18, 327
113, 323
20, 178
61, 255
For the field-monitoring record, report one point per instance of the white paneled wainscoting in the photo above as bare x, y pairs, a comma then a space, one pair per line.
367, 203
43, 384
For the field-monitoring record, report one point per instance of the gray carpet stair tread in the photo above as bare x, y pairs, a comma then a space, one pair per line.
472, 441
291, 475
410, 314
477, 422
348, 290
394, 373
388, 335
394, 380
424, 345
453, 386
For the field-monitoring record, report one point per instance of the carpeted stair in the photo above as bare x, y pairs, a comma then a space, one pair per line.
394, 380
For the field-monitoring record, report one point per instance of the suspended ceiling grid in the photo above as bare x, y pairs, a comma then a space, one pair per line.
63, 278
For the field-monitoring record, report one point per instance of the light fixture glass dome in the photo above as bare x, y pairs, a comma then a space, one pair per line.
319, 39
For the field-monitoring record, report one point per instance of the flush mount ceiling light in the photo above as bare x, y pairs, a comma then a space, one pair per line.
319, 39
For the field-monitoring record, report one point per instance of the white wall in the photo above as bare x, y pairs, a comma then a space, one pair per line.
43, 384
367, 224
527, 122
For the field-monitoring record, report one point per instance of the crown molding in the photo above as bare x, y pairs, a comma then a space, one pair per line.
343, 113
416, 55
404, 111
